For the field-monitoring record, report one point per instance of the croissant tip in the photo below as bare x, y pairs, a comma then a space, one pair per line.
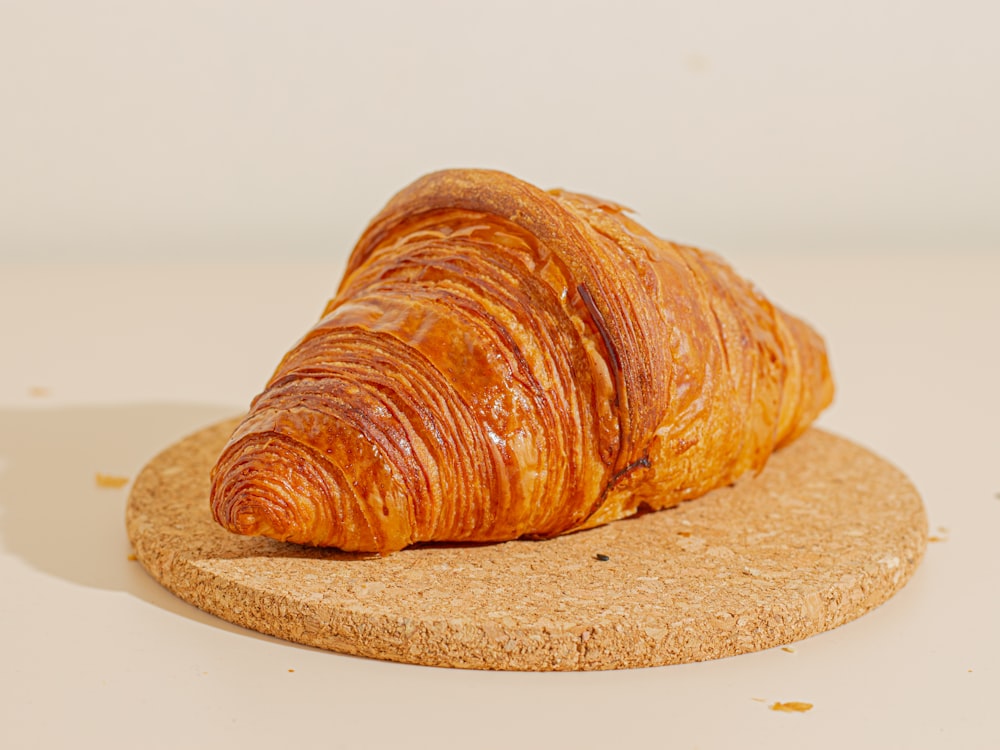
249, 516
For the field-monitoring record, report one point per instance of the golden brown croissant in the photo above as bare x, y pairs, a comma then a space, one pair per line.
502, 362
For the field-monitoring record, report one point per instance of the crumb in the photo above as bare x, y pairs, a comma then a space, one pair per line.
38, 391
602, 557
110, 480
291, 670
791, 706
788, 649
940, 536
683, 533
759, 700
132, 557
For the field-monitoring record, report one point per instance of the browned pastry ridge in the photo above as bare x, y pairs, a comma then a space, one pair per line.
501, 362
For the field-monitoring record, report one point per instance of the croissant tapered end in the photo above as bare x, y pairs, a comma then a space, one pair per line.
265, 494
269, 482
501, 362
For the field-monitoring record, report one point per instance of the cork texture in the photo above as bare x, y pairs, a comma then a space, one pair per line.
824, 534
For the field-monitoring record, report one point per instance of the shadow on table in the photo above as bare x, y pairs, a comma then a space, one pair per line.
55, 516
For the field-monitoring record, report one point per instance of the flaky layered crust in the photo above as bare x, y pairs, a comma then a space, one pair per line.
501, 362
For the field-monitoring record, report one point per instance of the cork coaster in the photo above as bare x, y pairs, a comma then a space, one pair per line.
825, 533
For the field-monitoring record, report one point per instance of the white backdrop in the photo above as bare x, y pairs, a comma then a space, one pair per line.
244, 130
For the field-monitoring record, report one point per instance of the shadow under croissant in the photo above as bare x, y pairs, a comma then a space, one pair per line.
56, 516
248, 547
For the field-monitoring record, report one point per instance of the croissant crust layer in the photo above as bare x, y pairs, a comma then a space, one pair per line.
503, 362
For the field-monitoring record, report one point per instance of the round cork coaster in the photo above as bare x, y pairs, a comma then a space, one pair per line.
824, 534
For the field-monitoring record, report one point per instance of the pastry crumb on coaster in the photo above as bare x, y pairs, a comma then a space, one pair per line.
791, 706
788, 649
111, 481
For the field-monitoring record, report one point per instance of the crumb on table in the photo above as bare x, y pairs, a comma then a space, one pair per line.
791, 706
110, 480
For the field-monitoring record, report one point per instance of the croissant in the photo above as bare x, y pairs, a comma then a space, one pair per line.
502, 362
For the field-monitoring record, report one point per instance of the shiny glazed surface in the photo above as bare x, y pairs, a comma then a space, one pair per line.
502, 362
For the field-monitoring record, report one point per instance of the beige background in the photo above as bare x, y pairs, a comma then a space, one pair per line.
241, 129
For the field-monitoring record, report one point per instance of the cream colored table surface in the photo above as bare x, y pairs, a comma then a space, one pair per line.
102, 366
